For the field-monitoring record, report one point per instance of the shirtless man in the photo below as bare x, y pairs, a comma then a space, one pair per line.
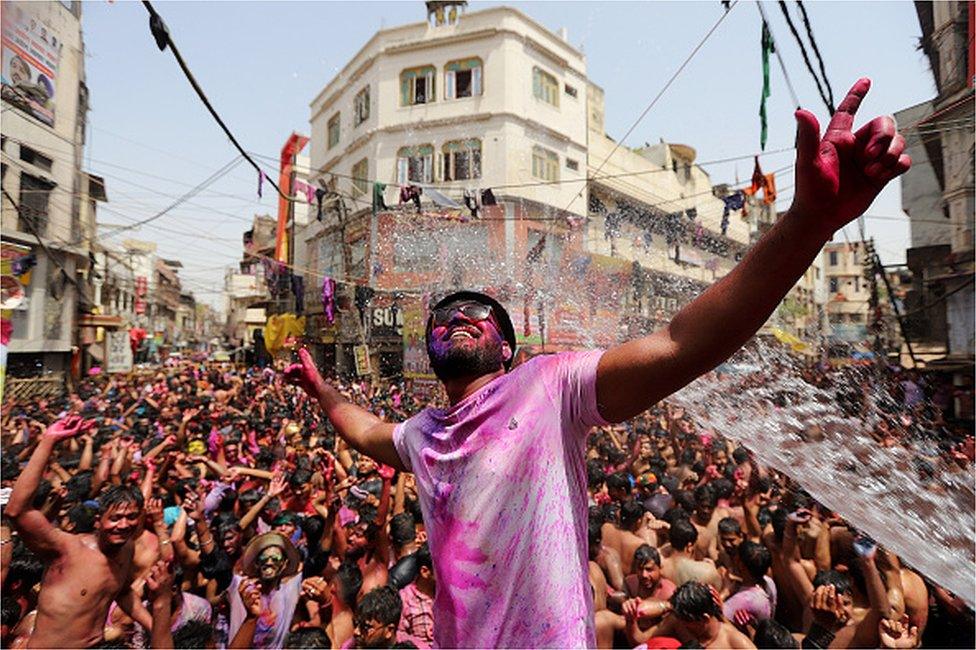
681, 566
637, 528
696, 617
85, 572
706, 518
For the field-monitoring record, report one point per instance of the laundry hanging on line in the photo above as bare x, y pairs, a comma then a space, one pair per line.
298, 289
319, 194
306, 189
411, 193
261, 177
379, 203
440, 199
328, 299
472, 200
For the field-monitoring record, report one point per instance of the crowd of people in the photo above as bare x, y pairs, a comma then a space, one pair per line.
207, 505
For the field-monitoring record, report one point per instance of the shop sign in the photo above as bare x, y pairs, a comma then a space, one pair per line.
361, 354
118, 352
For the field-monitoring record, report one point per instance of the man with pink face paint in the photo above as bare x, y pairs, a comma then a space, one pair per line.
501, 472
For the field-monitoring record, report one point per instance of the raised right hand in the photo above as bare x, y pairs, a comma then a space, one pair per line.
304, 374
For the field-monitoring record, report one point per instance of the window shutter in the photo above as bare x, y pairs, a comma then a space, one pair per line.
428, 167
405, 84
476, 80
441, 172
449, 85
430, 86
536, 83
403, 166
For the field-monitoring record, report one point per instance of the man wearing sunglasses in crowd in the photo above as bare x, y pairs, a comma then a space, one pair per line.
500, 472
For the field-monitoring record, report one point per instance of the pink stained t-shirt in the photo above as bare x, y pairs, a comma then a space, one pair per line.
502, 485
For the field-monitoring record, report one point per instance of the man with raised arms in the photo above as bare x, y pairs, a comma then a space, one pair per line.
501, 472
85, 573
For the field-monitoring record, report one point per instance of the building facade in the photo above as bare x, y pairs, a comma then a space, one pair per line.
47, 204
938, 195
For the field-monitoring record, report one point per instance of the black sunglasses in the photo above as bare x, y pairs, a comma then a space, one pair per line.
474, 311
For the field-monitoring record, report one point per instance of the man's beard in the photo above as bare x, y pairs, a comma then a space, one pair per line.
459, 361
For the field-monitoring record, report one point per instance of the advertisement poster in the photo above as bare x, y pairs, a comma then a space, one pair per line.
30, 51
118, 352
415, 362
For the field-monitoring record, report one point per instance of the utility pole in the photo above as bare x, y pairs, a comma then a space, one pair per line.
878, 269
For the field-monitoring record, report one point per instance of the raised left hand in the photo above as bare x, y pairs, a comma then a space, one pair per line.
839, 176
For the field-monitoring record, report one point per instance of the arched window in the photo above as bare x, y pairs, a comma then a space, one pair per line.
415, 164
462, 160
463, 78
417, 86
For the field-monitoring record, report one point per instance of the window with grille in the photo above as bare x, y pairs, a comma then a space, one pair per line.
571, 91
462, 160
545, 164
417, 86
334, 130
34, 196
545, 86
415, 164
361, 106
360, 172
572, 165
463, 78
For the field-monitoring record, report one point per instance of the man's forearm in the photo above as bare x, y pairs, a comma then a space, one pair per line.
26, 485
877, 593
350, 421
725, 316
244, 638
160, 635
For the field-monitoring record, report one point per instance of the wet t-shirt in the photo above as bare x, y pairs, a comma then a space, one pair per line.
502, 483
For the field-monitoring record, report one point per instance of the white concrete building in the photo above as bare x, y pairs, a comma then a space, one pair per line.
45, 103
491, 99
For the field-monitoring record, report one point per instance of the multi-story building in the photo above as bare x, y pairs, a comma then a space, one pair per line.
862, 308
488, 99
166, 302
47, 199
654, 213
938, 195
245, 290
848, 293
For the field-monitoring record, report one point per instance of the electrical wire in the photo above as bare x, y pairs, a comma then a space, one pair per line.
658, 96
163, 39
816, 50
30, 226
806, 58
182, 199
